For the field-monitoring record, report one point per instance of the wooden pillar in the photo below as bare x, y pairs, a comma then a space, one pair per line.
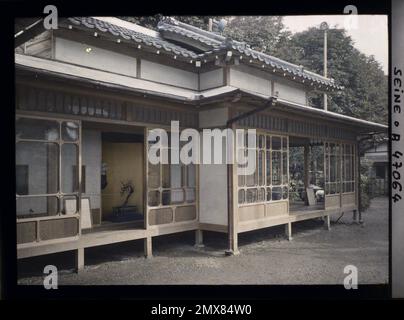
288, 231
79, 259
232, 204
306, 171
327, 222
358, 183
148, 253
199, 239
355, 216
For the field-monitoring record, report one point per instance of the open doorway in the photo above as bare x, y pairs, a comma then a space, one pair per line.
113, 175
306, 172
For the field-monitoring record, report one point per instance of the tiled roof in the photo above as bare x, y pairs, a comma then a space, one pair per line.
168, 25
127, 34
217, 42
213, 43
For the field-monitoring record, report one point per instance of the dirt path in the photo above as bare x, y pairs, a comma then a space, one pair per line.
315, 256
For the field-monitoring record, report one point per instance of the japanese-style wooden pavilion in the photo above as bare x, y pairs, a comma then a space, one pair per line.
87, 94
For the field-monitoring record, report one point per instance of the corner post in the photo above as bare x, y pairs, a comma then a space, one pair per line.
232, 220
306, 171
148, 253
79, 259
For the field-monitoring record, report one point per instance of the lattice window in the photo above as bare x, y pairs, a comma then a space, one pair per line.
49, 150
270, 180
348, 168
170, 184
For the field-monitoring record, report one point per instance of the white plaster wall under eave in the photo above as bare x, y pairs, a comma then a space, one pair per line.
94, 57
165, 74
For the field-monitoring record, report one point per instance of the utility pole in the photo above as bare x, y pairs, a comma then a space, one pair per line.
324, 27
210, 24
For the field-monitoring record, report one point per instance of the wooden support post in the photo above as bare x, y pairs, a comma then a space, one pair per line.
79, 259
199, 239
327, 222
288, 231
306, 172
232, 214
354, 216
360, 217
148, 253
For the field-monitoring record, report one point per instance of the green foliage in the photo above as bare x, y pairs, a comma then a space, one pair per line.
365, 95
262, 33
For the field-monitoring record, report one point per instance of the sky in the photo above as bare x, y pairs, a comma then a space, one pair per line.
369, 32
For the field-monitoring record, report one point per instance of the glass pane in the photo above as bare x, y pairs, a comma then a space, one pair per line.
332, 168
241, 196
276, 143
29, 207
70, 182
276, 193
70, 131
172, 196
268, 144
261, 195
191, 175
153, 175
69, 205
37, 129
251, 195
190, 195
241, 180
332, 188
153, 198
284, 144
269, 193
261, 141
268, 165
332, 148
250, 180
40, 161
172, 175
276, 167
285, 167
261, 156
285, 193
165, 179
176, 175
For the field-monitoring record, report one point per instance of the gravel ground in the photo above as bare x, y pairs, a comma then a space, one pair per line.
314, 256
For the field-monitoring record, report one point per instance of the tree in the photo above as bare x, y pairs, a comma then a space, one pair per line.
366, 91
262, 33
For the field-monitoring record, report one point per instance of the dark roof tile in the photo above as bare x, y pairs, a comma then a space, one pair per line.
128, 34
